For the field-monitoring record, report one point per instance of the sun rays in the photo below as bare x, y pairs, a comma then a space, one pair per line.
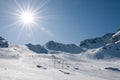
27, 18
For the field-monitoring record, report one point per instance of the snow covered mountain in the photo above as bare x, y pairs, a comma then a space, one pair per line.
107, 46
112, 48
108, 51
55, 46
96, 42
115, 37
37, 48
100, 47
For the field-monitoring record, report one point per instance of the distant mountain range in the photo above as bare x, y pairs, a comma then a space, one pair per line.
100, 47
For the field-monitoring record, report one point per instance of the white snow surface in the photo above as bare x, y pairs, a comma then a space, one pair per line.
19, 63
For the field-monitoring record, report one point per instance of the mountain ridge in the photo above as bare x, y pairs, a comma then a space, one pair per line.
108, 44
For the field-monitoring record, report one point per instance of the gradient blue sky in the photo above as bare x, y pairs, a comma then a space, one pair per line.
69, 21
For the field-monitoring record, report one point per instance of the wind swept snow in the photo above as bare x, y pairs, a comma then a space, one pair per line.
18, 63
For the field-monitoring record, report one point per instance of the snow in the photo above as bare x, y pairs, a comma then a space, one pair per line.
96, 42
37, 48
57, 61
55, 46
19, 63
116, 34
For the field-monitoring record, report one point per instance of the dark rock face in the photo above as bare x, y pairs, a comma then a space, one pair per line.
112, 69
3, 43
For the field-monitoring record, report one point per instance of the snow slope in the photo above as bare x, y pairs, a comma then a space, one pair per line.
19, 63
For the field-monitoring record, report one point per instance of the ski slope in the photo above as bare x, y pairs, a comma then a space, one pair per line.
19, 63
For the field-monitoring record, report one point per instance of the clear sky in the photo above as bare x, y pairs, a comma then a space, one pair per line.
65, 21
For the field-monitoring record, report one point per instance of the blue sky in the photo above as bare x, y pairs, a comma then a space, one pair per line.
65, 21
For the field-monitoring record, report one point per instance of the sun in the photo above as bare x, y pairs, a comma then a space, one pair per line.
27, 17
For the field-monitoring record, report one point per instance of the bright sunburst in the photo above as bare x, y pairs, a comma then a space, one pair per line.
27, 17
26, 14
